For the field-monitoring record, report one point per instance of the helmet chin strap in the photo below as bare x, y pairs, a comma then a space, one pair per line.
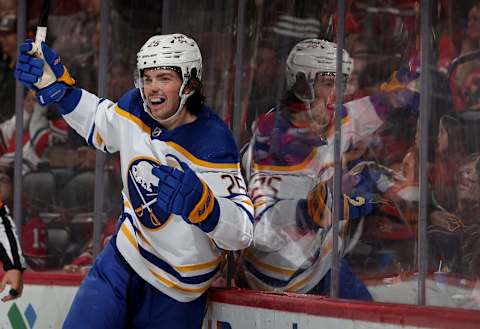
171, 119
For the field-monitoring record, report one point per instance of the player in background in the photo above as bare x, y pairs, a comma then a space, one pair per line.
184, 199
11, 256
289, 163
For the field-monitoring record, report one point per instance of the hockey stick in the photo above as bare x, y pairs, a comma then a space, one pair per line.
48, 76
41, 33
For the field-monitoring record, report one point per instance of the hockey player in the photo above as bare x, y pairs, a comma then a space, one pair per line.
290, 162
11, 256
184, 199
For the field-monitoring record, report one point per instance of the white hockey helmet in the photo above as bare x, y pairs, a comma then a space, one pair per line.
312, 56
170, 51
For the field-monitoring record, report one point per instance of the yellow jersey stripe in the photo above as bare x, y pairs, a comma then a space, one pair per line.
189, 268
132, 118
129, 235
202, 163
299, 166
295, 287
173, 285
248, 202
268, 267
196, 267
331, 130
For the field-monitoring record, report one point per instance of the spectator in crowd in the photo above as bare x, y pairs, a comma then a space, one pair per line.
7, 137
450, 231
73, 36
8, 57
449, 154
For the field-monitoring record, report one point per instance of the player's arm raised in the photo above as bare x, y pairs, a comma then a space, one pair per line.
85, 112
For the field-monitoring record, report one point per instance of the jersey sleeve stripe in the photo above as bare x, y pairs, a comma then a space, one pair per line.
127, 115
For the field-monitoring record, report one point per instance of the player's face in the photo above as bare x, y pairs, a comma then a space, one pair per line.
29, 102
8, 41
468, 181
161, 89
5, 187
442, 139
473, 29
324, 87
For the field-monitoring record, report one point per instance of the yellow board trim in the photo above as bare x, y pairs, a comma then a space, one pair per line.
127, 115
202, 163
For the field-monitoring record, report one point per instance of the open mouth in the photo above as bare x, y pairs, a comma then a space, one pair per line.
157, 100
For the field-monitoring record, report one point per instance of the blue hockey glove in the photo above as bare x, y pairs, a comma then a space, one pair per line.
42, 71
184, 194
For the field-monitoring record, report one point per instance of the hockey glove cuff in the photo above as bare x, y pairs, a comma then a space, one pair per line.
318, 208
317, 200
184, 194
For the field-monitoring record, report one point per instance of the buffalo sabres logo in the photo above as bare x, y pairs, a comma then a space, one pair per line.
142, 190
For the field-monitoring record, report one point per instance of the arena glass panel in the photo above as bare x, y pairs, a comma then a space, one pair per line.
288, 153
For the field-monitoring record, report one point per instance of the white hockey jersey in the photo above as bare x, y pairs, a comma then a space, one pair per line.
179, 259
284, 255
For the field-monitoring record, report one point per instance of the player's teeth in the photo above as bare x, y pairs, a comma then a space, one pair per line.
157, 100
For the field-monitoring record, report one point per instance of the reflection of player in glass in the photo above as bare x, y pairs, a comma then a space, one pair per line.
184, 199
10, 256
290, 161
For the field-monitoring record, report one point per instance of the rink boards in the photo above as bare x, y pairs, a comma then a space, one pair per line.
47, 297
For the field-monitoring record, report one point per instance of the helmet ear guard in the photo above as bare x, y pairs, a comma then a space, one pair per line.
302, 88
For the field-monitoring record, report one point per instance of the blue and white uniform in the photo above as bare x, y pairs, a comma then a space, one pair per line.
177, 258
286, 164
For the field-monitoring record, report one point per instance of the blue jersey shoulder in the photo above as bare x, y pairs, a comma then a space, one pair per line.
132, 103
208, 138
